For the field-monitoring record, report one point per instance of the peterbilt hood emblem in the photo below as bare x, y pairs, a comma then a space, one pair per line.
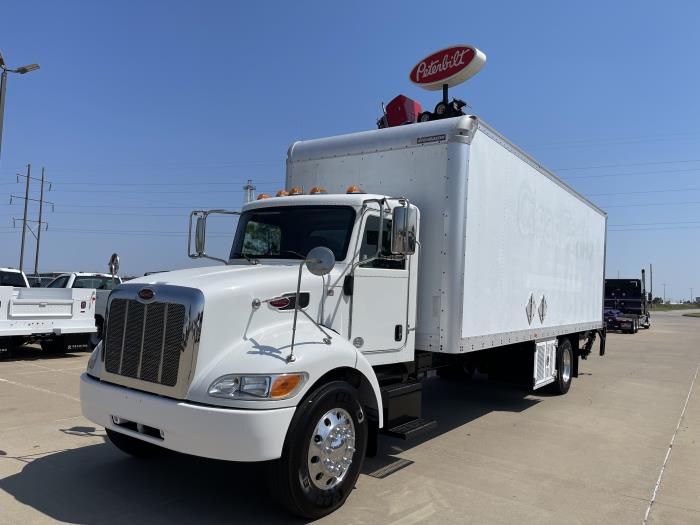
146, 294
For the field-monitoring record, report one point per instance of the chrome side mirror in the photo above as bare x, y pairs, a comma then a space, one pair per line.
320, 260
404, 226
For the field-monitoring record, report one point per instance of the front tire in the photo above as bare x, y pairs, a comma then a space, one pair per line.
132, 446
565, 366
323, 452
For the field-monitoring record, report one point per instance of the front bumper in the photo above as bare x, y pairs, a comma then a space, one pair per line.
211, 432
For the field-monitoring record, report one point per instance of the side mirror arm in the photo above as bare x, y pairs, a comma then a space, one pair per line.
202, 215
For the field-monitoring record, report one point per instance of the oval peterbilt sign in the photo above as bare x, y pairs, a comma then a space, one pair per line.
451, 66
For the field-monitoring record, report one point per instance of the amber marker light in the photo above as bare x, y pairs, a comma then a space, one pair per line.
286, 385
317, 190
281, 193
354, 189
263, 196
296, 191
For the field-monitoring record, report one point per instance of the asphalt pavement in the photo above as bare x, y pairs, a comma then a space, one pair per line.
623, 446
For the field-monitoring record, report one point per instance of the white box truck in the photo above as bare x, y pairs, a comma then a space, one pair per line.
392, 254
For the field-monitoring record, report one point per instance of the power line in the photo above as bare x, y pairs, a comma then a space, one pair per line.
651, 204
633, 164
631, 173
615, 140
641, 192
162, 184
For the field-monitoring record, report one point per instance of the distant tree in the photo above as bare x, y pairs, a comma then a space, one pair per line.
657, 300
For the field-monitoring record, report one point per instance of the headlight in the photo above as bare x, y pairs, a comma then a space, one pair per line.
255, 386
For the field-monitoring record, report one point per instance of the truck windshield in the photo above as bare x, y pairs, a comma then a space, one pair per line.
99, 282
623, 289
289, 232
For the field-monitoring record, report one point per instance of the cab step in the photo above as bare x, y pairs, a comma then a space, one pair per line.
411, 428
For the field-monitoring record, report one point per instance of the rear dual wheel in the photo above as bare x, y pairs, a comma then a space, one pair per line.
323, 452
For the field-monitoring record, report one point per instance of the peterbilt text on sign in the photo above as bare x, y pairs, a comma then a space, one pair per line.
424, 70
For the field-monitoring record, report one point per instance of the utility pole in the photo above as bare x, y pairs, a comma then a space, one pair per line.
691, 295
24, 218
38, 229
664, 285
249, 189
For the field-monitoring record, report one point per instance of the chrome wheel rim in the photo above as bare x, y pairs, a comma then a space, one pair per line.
566, 365
331, 449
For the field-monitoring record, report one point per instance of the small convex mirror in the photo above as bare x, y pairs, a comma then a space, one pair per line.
113, 264
403, 230
200, 235
320, 260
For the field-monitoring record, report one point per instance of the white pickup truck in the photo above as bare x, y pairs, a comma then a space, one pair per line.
392, 255
60, 320
102, 283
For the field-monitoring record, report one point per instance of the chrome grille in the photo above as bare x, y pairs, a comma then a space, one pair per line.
145, 341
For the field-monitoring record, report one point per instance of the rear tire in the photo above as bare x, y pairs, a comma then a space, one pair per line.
312, 478
132, 446
565, 367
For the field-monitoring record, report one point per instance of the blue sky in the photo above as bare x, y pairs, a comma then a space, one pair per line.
144, 110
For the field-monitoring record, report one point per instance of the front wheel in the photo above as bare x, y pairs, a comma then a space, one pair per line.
323, 452
565, 361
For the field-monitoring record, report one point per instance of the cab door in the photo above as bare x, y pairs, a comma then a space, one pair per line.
380, 297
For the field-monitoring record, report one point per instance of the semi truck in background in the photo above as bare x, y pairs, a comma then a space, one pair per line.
627, 304
391, 256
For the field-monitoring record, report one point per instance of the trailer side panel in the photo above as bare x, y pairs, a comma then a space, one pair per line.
534, 257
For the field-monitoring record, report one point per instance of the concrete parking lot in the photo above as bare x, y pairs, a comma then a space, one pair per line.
600, 454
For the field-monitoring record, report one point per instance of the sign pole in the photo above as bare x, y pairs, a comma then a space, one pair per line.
445, 97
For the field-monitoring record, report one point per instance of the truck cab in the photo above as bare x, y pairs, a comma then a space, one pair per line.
230, 341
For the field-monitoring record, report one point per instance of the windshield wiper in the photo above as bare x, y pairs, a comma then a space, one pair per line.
246, 257
293, 253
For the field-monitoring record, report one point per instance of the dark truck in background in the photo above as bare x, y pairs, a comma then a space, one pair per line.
626, 305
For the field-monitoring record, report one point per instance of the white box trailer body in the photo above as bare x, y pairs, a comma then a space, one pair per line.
509, 252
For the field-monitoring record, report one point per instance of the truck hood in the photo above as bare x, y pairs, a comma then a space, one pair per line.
213, 280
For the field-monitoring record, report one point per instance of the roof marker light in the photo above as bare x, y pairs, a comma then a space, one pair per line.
354, 189
317, 190
281, 193
296, 191
263, 196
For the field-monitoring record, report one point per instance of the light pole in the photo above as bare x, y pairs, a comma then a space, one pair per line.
3, 86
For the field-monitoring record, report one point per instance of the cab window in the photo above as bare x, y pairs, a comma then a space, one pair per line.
368, 247
59, 282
